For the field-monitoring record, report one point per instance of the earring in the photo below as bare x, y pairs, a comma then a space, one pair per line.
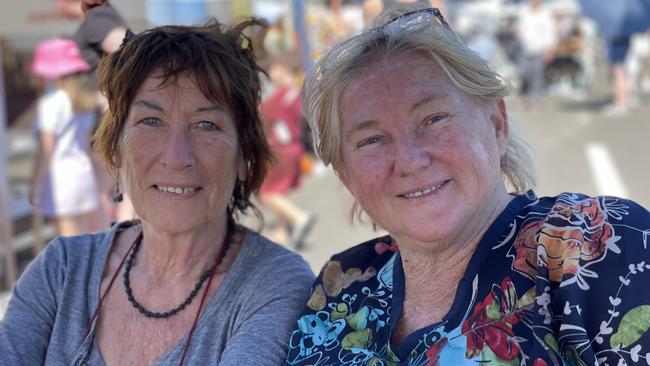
118, 197
242, 202
238, 200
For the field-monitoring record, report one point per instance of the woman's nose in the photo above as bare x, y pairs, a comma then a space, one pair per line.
412, 155
178, 151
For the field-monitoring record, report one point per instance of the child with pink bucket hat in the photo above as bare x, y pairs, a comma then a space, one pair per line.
64, 186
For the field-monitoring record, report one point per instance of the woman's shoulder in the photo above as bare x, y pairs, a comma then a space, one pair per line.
265, 260
76, 253
260, 250
583, 211
571, 232
66, 263
82, 250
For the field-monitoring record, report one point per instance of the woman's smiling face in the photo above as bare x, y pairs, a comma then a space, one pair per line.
421, 157
179, 155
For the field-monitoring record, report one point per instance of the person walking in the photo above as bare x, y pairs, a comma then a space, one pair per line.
284, 128
536, 32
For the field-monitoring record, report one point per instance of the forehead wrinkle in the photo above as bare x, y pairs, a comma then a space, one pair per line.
436, 96
178, 97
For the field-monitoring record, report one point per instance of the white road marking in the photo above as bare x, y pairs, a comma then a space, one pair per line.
606, 176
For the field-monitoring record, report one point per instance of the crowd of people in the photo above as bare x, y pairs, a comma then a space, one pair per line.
197, 127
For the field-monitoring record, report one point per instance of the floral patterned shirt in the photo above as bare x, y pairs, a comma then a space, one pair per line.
554, 280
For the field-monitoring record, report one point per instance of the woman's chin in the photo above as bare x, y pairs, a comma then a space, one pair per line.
172, 223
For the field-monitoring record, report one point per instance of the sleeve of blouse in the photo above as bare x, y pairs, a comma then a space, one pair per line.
26, 327
278, 295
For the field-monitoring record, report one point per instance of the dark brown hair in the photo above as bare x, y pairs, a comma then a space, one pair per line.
222, 64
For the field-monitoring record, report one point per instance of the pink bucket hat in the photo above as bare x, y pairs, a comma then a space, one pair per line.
57, 57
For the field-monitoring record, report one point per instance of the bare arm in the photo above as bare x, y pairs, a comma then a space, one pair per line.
113, 40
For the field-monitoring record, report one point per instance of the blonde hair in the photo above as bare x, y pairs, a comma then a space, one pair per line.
433, 40
82, 98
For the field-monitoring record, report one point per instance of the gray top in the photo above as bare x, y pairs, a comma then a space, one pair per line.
247, 322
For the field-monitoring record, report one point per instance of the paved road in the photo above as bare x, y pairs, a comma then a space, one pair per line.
576, 148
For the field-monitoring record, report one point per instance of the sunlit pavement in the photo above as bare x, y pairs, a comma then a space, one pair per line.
579, 149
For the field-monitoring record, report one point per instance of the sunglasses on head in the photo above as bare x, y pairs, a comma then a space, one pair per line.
413, 20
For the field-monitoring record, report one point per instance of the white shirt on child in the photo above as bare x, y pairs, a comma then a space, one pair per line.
70, 187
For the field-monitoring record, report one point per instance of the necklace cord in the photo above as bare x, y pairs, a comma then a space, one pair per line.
213, 272
152, 314
110, 284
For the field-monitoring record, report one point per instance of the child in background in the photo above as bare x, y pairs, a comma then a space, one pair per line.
282, 119
64, 186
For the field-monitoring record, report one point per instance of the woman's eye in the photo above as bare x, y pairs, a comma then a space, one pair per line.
369, 141
151, 121
435, 118
207, 125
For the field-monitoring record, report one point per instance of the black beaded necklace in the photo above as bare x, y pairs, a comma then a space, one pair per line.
197, 287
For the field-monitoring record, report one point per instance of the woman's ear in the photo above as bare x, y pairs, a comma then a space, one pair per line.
499, 119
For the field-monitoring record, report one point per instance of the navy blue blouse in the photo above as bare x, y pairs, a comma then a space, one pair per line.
554, 280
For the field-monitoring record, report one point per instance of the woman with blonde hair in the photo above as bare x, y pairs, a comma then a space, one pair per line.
476, 268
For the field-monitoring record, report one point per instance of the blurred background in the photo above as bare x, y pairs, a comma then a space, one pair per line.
583, 109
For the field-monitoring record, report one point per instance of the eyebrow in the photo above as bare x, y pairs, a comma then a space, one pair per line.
149, 105
361, 126
427, 100
154, 106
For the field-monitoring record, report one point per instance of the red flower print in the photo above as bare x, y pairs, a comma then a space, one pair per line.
491, 324
540, 362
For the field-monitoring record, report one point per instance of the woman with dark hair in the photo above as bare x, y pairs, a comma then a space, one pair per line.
185, 283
